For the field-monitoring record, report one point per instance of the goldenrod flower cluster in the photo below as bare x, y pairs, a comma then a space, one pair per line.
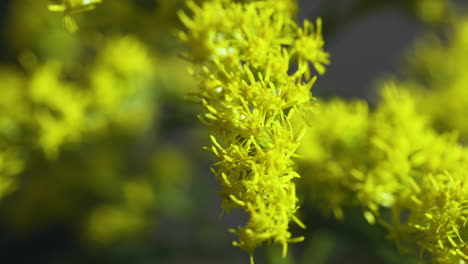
391, 163
242, 56
431, 207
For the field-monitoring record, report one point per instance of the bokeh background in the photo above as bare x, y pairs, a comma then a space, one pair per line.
103, 153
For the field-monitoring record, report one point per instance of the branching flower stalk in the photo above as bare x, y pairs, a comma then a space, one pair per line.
242, 55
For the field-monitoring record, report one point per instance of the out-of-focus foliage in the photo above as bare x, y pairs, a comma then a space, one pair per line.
73, 110
10, 165
330, 149
46, 109
160, 188
438, 77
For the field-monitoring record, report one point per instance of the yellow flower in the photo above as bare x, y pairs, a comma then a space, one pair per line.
309, 47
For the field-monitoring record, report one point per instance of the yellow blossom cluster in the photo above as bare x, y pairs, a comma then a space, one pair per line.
243, 57
404, 175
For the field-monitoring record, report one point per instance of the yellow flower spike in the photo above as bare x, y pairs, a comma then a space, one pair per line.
235, 48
